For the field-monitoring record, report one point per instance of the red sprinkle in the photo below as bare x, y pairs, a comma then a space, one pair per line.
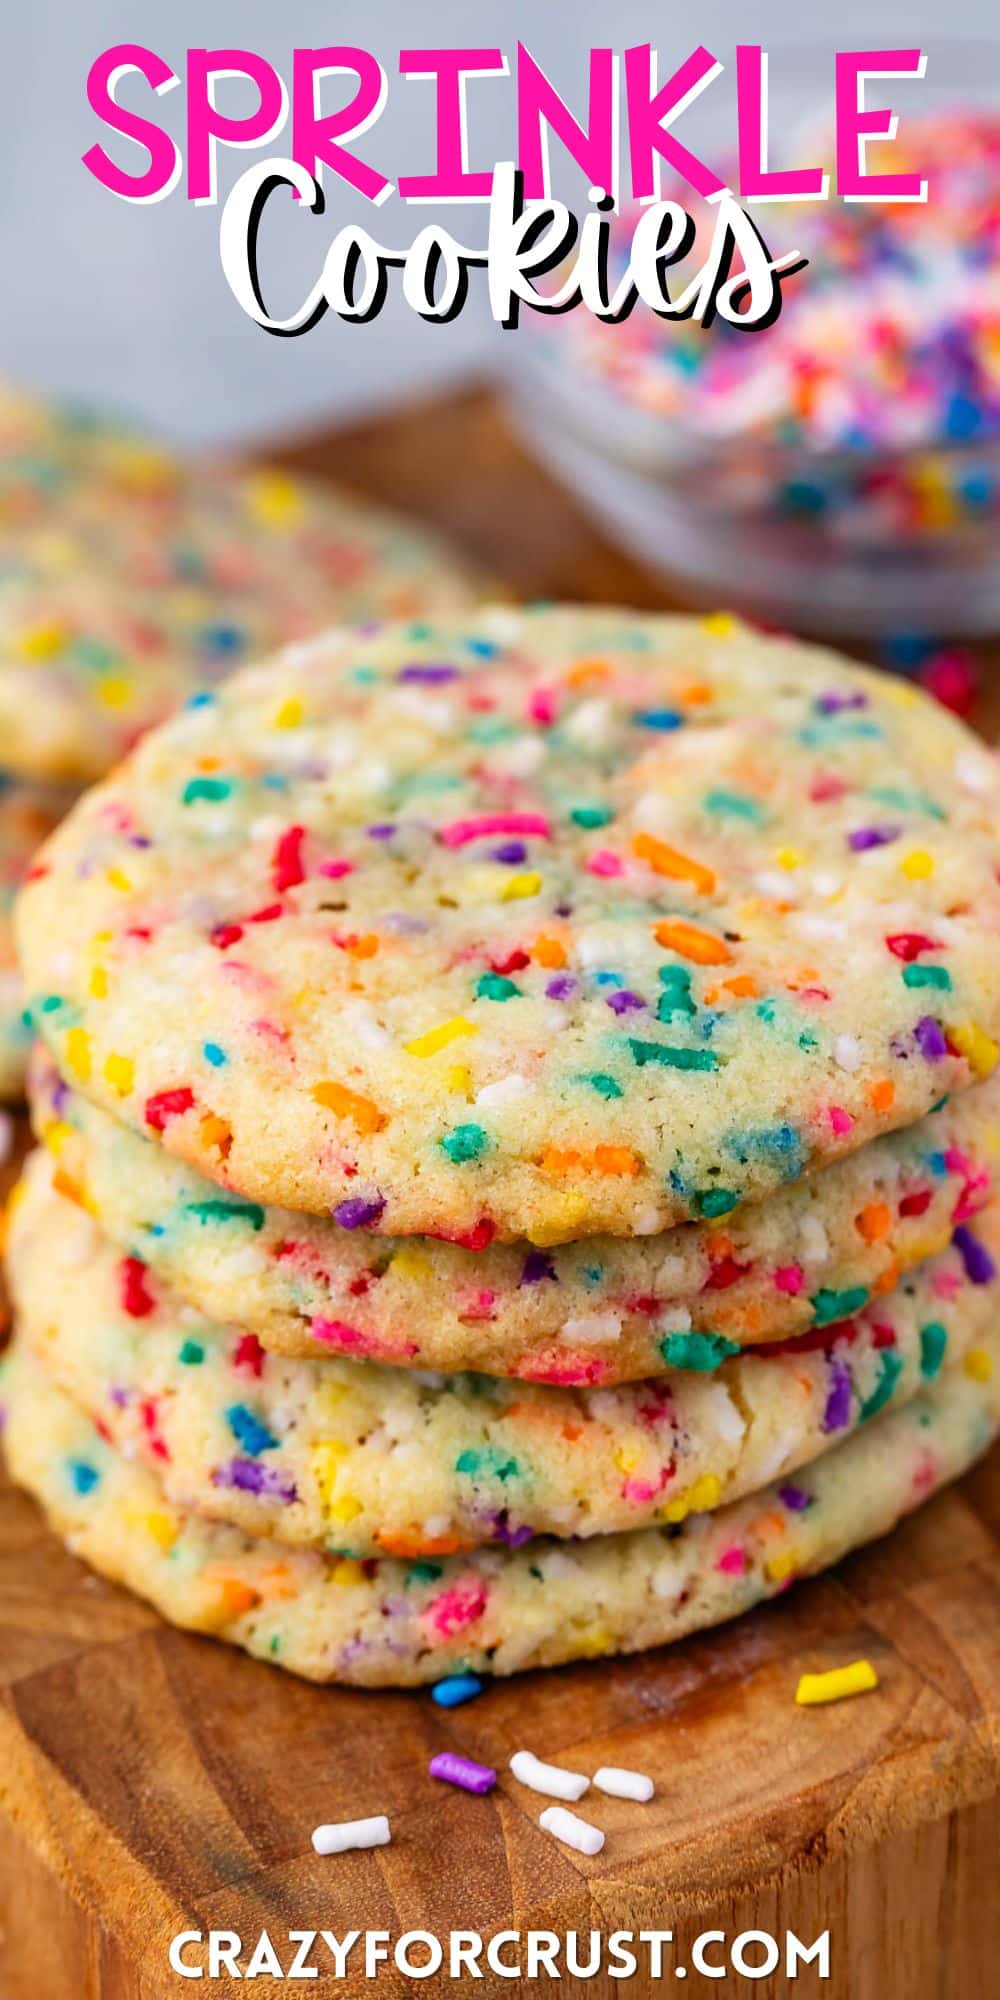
917, 1203
226, 934
167, 1104
137, 1299
249, 1354
908, 945
287, 869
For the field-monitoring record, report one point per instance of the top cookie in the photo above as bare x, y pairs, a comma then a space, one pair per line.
128, 579
550, 923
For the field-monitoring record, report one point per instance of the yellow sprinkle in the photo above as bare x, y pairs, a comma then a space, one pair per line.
918, 865
289, 713
781, 1567
410, 1262
344, 1509
120, 1073
438, 1038
274, 498
705, 1493
521, 885
789, 857
459, 1079
162, 1527
55, 1135
114, 691
978, 1365
721, 624
981, 1052
99, 983
119, 880
858, 1678
593, 1642
626, 1461
326, 1458
346, 1572
40, 642
78, 1053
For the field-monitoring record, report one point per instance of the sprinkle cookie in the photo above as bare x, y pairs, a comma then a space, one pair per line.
391, 1623
549, 924
606, 1310
368, 1460
130, 579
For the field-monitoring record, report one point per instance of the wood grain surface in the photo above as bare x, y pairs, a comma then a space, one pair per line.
151, 1782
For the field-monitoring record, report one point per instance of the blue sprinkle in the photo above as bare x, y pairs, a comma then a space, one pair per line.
658, 718
213, 1054
84, 1476
451, 1693
203, 699
249, 1431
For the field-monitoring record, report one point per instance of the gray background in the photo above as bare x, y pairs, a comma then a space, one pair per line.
124, 303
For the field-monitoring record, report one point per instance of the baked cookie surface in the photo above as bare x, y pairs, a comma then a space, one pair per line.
550, 924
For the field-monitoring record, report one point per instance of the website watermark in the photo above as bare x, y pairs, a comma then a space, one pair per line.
507, 1954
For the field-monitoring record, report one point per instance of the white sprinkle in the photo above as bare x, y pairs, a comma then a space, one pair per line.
571, 1830
548, 1778
621, 1784
506, 1090
352, 1833
592, 1326
501, 622
847, 1052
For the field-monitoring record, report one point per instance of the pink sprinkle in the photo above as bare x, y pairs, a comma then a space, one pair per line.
605, 863
924, 1473
840, 1119
789, 1279
542, 707
572, 1373
333, 870
733, 1561
287, 868
458, 1607
946, 1284
461, 831
953, 679
639, 1492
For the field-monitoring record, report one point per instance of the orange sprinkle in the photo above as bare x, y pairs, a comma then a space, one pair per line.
207, 763
603, 1160
236, 1597
64, 1184
668, 861
693, 694
743, 985
587, 670
215, 1132
548, 951
874, 1221
889, 1279
689, 941
362, 947
345, 1103
882, 1094
409, 1547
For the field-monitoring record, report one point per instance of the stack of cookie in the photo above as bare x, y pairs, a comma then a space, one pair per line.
519, 1141
130, 578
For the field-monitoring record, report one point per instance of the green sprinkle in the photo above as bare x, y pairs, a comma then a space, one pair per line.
701, 1352
591, 817
490, 1462
493, 986
713, 1202
829, 1305
660, 1052
890, 1370
191, 1354
423, 1572
676, 996
212, 790
464, 1142
605, 1086
736, 804
227, 1211
933, 1341
927, 975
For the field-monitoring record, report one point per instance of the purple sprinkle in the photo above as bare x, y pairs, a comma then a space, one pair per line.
838, 1402
511, 851
512, 1538
249, 1477
795, 1498
461, 1771
384, 831
429, 676
359, 1211
119, 1398
979, 1266
930, 1038
561, 987
834, 702
536, 1268
625, 1002
872, 836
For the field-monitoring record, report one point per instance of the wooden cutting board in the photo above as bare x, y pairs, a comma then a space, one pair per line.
152, 1783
